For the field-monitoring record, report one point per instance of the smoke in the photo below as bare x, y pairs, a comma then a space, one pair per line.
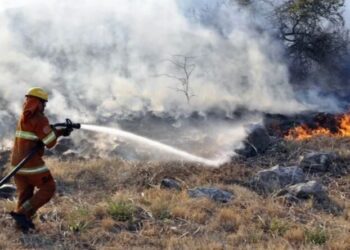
347, 14
109, 55
106, 59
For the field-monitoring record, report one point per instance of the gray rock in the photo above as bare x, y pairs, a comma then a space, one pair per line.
327, 205
168, 183
215, 194
307, 190
70, 154
124, 151
317, 162
7, 191
256, 143
314, 190
63, 145
276, 178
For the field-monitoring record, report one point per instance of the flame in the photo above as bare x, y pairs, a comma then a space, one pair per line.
345, 125
303, 132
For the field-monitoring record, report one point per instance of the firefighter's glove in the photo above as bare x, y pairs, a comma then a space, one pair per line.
67, 131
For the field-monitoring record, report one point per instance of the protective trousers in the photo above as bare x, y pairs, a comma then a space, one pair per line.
28, 200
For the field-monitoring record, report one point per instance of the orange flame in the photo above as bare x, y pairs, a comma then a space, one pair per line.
303, 132
345, 125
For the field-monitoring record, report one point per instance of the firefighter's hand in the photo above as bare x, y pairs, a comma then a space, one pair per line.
67, 131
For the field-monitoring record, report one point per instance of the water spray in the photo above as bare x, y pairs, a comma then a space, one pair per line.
120, 133
155, 144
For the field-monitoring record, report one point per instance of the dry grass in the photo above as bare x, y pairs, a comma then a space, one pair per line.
104, 204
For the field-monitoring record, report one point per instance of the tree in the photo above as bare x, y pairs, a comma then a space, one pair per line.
314, 32
184, 68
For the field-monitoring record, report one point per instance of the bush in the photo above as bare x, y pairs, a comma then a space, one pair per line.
78, 226
160, 210
316, 236
121, 210
278, 227
79, 220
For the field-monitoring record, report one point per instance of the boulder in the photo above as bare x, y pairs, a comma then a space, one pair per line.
316, 162
124, 151
7, 191
256, 143
215, 194
306, 190
314, 190
168, 183
70, 155
63, 145
276, 178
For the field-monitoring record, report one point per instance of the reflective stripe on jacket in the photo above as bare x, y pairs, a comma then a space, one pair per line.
33, 170
26, 135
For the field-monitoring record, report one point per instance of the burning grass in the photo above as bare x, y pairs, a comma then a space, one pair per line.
304, 131
118, 205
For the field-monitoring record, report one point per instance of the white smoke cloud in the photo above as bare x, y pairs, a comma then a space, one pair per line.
347, 13
99, 58
110, 51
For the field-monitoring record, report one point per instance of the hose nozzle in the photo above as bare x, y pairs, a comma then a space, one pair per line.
68, 124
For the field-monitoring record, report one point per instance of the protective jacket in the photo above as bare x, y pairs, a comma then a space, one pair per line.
32, 127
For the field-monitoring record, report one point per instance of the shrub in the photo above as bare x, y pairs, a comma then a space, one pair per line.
316, 236
278, 227
121, 210
160, 210
228, 220
79, 220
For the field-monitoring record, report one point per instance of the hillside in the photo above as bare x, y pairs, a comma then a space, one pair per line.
102, 204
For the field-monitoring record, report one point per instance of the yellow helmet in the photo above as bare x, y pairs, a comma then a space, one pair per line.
39, 93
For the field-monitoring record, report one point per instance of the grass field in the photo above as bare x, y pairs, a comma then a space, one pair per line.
102, 204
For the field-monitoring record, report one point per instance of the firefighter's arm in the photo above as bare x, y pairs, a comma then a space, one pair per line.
47, 134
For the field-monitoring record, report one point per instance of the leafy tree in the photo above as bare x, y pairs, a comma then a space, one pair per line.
314, 33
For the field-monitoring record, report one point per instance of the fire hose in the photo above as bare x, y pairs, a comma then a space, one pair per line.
67, 125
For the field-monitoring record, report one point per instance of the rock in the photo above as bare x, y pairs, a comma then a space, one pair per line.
276, 178
62, 146
327, 205
314, 190
49, 153
256, 143
168, 183
135, 225
307, 190
70, 154
317, 162
217, 195
7, 191
124, 151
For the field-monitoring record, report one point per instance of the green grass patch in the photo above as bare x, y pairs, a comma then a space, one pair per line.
79, 220
317, 236
121, 210
278, 227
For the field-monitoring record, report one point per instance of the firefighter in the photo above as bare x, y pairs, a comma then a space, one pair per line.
33, 127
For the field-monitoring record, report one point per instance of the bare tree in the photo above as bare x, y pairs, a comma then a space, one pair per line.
184, 67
